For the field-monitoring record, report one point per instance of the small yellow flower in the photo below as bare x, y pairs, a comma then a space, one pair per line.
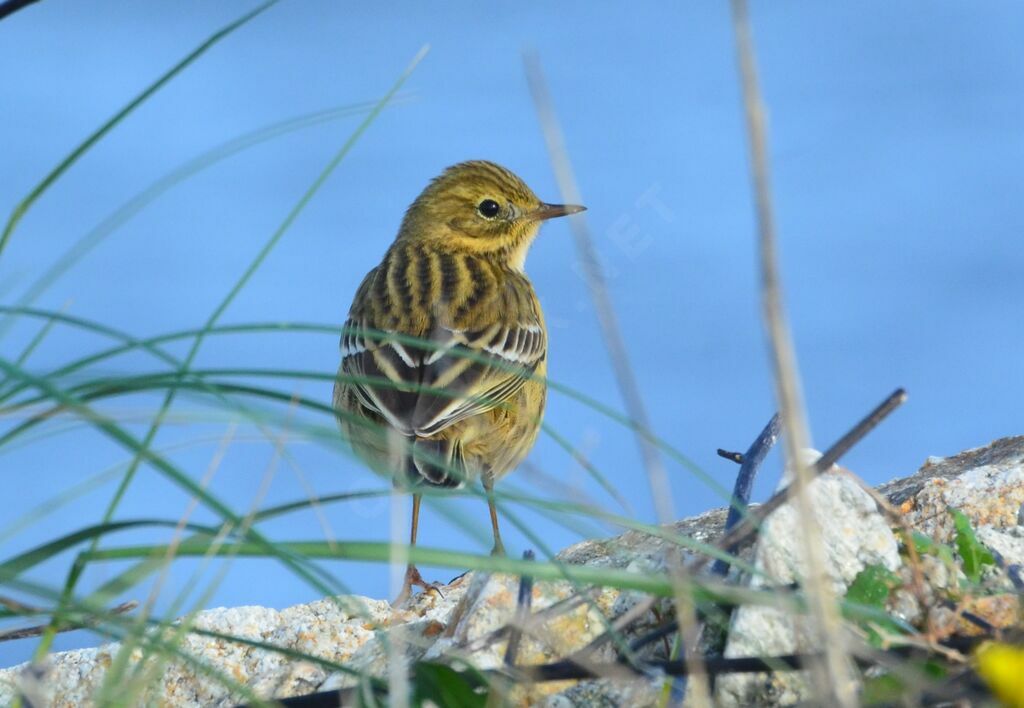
444, 351
1002, 668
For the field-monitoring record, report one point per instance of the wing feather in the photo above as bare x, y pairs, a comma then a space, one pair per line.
421, 389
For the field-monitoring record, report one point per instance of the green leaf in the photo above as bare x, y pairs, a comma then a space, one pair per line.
973, 555
928, 545
444, 686
934, 669
872, 585
871, 588
885, 690
892, 688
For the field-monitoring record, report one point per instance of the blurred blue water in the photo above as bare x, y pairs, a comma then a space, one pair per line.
896, 146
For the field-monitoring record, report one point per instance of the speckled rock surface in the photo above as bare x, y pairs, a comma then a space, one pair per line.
854, 534
986, 483
469, 620
1008, 543
485, 605
331, 629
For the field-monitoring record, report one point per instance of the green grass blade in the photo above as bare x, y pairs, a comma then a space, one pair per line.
659, 584
179, 174
604, 410
18, 564
25, 204
380, 551
175, 475
254, 266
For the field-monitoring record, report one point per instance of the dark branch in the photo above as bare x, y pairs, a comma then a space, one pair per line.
751, 463
741, 492
748, 527
12, 6
736, 457
569, 670
665, 630
523, 606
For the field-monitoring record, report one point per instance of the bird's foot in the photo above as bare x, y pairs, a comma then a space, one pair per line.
499, 549
414, 579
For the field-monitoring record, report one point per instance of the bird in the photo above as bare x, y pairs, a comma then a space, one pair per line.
444, 351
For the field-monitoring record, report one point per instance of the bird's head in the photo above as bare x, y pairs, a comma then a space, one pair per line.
481, 208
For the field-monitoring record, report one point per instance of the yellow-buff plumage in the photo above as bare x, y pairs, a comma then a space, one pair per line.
444, 352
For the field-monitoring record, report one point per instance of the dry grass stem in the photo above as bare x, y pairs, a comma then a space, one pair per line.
598, 289
831, 676
657, 475
179, 530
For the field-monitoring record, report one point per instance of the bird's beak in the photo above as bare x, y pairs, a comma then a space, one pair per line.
552, 211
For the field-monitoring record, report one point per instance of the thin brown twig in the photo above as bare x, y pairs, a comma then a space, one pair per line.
478, 581
142, 674
39, 630
19, 607
530, 623
621, 669
619, 625
895, 641
179, 530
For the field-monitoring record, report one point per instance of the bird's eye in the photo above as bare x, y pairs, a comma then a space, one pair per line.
488, 208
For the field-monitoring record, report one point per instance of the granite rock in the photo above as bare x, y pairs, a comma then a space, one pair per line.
854, 535
467, 619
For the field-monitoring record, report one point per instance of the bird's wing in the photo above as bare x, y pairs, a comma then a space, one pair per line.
421, 387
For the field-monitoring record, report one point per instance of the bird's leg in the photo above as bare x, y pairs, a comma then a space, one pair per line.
412, 575
499, 547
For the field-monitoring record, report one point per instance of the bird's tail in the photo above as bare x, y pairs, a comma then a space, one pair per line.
437, 461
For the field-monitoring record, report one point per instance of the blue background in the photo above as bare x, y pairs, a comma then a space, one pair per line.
896, 144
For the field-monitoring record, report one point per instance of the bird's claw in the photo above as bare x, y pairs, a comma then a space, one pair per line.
414, 579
